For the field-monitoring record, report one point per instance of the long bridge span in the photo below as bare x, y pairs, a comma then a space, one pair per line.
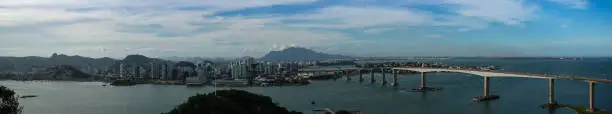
485, 74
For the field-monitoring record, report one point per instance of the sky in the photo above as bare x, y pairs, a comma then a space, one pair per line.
235, 28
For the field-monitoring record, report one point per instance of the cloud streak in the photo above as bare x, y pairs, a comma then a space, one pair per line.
196, 28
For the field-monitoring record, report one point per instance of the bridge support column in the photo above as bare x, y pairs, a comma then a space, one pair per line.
423, 87
360, 75
486, 95
552, 103
384, 77
551, 92
592, 96
486, 86
372, 80
347, 74
394, 83
336, 75
423, 82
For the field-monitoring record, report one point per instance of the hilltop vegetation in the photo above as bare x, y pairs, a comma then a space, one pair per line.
20, 64
230, 102
8, 101
61, 72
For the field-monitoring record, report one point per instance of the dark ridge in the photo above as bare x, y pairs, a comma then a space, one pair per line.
230, 102
298, 53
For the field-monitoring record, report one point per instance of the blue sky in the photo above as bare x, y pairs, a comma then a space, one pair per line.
233, 28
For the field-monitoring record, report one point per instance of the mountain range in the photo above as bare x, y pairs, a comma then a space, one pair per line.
138, 60
20, 64
299, 53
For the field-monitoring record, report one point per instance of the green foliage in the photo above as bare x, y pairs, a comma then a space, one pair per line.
8, 101
229, 102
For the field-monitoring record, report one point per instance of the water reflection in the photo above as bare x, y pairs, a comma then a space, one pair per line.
487, 107
551, 111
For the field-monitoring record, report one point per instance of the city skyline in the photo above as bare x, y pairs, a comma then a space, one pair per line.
364, 28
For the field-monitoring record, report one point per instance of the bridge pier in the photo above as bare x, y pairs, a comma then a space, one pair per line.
384, 77
360, 75
336, 75
372, 80
394, 83
486, 95
592, 96
347, 75
423, 87
551, 92
423, 82
552, 103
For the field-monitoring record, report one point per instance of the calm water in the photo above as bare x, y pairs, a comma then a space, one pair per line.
518, 95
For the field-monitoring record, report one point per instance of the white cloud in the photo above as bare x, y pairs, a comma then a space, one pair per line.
352, 17
577, 4
510, 12
217, 4
376, 30
49, 26
120, 27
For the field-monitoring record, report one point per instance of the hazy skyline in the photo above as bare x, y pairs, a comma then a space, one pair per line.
232, 28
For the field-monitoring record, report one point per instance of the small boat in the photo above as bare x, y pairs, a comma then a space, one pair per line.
28, 96
104, 85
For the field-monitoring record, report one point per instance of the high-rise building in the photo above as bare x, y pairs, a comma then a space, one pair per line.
142, 72
122, 70
243, 69
165, 72
155, 71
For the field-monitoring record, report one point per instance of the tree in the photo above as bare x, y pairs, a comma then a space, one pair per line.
8, 101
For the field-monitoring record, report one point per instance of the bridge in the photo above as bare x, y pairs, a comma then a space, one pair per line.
485, 74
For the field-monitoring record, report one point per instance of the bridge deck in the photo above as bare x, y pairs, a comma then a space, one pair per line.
505, 74
481, 73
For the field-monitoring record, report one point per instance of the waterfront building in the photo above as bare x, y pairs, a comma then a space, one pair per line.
204, 71
135, 71
155, 71
122, 71
165, 71
243, 69
143, 72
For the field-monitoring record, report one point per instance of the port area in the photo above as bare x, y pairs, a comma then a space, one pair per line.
425, 89
486, 98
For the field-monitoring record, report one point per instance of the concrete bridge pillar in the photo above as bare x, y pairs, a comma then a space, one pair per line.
592, 96
384, 77
486, 95
372, 80
336, 75
486, 86
347, 74
423, 82
394, 83
360, 75
551, 92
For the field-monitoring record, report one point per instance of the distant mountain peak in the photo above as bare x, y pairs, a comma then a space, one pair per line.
300, 53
